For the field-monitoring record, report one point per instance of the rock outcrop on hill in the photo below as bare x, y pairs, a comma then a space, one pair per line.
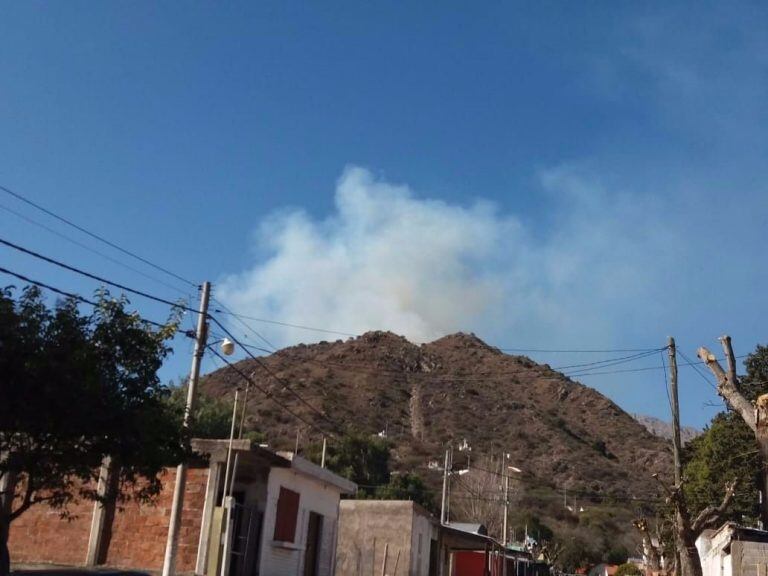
562, 434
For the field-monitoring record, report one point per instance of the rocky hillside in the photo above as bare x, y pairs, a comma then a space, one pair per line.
563, 435
663, 429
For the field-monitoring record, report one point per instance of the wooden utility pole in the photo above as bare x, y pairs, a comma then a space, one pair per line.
506, 508
755, 415
444, 502
676, 443
174, 525
322, 458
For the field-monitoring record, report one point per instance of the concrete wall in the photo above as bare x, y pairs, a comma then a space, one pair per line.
749, 558
315, 496
366, 527
424, 530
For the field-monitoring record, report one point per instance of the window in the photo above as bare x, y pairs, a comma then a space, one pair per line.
287, 515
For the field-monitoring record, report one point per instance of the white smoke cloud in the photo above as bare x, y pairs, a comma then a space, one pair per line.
387, 259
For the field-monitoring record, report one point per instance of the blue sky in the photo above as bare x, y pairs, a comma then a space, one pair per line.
554, 176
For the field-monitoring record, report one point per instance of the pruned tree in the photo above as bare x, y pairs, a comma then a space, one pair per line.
77, 389
479, 497
755, 415
653, 552
688, 529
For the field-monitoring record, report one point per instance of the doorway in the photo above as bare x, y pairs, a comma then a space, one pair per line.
312, 550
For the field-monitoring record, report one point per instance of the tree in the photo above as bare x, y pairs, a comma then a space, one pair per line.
478, 497
726, 451
407, 486
212, 417
366, 461
747, 398
77, 388
360, 458
627, 569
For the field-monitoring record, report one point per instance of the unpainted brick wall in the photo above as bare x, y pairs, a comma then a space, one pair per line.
135, 538
139, 531
41, 535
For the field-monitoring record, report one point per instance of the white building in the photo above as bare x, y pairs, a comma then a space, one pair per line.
284, 514
732, 550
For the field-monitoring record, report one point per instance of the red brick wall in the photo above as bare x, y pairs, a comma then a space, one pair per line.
135, 539
40, 535
140, 531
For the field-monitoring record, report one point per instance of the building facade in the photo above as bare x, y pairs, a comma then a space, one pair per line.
279, 515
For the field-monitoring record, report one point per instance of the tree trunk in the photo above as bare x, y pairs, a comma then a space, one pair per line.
5, 556
762, 443
7, 493
690, 562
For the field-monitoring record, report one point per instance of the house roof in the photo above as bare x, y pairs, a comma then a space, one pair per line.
469, 527
261, 458
304, 466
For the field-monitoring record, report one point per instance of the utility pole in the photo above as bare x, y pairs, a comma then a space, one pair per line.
676, 444
506, 508
444, 503
322, 459
201, 335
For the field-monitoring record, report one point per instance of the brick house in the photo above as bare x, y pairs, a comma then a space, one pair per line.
283, 517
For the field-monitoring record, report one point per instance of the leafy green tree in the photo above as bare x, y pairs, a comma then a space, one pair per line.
363, 459
76, 388
532, 525
727, 450
407, 486
366, 461
628, 570
617, 555
212, 417
576, 552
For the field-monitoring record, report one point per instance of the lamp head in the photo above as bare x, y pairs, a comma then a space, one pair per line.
227, 347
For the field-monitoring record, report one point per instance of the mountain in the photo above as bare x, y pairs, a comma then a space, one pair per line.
564, 436
663, 429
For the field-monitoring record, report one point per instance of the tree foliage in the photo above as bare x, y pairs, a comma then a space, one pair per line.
627, 569
727, 450
366, 461
212, 417
76, 388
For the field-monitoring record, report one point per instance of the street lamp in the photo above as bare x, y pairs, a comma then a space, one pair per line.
506, 500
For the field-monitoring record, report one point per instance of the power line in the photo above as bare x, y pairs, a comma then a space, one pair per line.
285, 324
351, 335
611, 361
246, 326
96, 236
583, 351
97, 278
89, 248
269, 394
666, 383
699, 372
275, 376
61, 292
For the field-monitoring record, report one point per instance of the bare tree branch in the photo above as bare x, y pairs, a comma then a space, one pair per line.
711, 514
728, 384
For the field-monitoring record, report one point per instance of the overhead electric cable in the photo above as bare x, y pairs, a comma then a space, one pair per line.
606, 362
61, 292
269, 394
95, 277
285, 324
275, 376
90, 249
95, 236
